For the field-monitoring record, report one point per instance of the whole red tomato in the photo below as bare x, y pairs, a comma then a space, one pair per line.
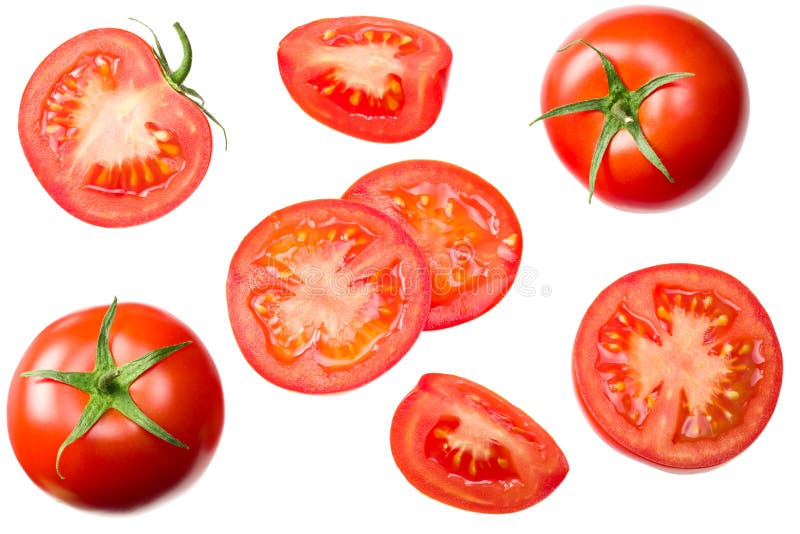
115, 421
671, 82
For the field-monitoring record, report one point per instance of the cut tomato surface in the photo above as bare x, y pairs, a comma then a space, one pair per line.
678, 364
462, 444
470, 234
109, 139
373, 78
326, 295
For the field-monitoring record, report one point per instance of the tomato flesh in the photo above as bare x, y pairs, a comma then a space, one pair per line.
373, 78
678, 364
462, 444
468, 231
108, 138
336, 290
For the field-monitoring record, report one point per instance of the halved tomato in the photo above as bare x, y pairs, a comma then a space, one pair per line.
679, 365
373, 78
110, 139
462, 444
467, 229
326, 295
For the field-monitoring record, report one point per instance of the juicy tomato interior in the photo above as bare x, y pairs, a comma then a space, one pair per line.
684, 373
373, 78
466, 446
132, 156
106, 135
337, 291
469, 232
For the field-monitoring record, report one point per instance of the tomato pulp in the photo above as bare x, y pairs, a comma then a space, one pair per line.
468, 231
109, 138
694, 125
326, 295
678, 364
373, 78
462, 444
123, 460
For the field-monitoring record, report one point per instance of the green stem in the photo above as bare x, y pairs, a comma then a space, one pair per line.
621, 109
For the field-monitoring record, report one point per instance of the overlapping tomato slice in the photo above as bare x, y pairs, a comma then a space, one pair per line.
467, 229
326, 295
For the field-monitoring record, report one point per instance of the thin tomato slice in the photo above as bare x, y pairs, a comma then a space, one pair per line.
326, 295
462, 444
108, 138
373, 78
470, 234
679, 365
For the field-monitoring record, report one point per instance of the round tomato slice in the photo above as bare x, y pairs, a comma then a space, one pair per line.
116, 420
373, 78
683, 107
462, 444
326, 295
469, 232
109, 138
679, 365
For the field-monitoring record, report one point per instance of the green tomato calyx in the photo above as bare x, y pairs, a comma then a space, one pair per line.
107, 386
175, 78
621, 109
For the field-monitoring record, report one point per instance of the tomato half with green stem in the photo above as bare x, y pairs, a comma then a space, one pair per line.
111, 132
467, 229
114, 408
646, 106
326, 295
464, 445
678, 365
373, 78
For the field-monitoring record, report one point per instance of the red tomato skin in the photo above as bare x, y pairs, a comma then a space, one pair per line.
545, 468
304, 375
696, 125
635, 290
140, 71
117, 465
426, 82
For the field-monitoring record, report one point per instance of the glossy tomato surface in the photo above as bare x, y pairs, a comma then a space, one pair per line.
326, 295
462, 444
468, 231
679, 365
695, 125
373, 78
108, 138
116, 465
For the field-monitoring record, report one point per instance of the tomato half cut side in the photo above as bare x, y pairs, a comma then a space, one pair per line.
326, 295
467, 229
462, 444
373, 78
107, 136
678, 365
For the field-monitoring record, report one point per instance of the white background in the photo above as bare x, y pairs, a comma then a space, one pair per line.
291, 463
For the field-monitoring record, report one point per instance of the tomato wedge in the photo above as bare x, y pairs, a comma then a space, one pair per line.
679, 365
462, 444
109, 138
373, 78
326, 295
469, 232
